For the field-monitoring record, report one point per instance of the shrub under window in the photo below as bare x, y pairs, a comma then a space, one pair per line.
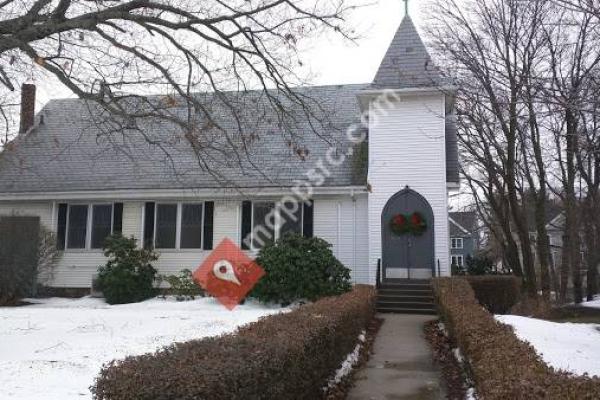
128, 276
300, 268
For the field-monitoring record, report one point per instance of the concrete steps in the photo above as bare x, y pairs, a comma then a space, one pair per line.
406, 296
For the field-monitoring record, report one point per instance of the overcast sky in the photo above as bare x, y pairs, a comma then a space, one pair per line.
331, 60
337, 61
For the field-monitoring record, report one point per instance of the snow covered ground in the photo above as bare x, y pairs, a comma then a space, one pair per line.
593, 304
567, 346
53, 350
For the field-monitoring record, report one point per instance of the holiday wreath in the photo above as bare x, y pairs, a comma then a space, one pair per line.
414, 224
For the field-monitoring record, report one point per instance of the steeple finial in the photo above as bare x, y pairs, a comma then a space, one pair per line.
405, 7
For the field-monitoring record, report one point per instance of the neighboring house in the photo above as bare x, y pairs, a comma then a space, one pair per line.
463, 236
555, 228
69, 172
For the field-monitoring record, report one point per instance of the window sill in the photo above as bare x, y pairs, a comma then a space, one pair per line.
169, 251
81, 251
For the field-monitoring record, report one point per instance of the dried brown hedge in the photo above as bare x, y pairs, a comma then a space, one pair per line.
502, 366
496, 293
285, 356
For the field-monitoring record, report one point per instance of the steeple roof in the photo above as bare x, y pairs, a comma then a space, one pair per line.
406, 63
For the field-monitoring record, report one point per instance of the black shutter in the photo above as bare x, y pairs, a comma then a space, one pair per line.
207, 233
117, 218
149, 225
246, 222
61, 229
307, 221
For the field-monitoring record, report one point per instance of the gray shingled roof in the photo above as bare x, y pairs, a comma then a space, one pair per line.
452, 162
466, 219
72, 151
69, 151
406, 63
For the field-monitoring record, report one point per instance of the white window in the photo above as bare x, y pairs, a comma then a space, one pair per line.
178, 225
77, 224
457, 260
165, 230
88, 225
269, 222
456, 243
192, 221
102, 224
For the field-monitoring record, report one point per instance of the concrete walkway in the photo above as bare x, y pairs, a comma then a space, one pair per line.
401, 367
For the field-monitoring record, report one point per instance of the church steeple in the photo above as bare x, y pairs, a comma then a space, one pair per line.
406, 63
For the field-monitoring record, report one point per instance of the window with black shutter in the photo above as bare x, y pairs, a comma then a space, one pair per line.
265, 221
307, 219
61, 229
117, 218
209, 207
246, 228
149, 225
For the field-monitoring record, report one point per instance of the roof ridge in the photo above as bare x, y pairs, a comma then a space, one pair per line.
323, 86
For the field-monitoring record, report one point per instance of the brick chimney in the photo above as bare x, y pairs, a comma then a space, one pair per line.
27, 107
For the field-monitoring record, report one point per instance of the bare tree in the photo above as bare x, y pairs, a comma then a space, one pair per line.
573, 40
493, 47
114, 53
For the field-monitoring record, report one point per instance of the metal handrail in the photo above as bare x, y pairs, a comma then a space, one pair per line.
378, 277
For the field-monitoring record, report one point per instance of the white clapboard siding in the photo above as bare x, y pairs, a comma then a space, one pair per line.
227, 221
75, 268
132, 219
43, 210
342, 221
407, 147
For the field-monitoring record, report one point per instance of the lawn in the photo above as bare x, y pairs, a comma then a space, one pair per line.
53, 349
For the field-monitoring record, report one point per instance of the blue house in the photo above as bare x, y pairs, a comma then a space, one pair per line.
463, 236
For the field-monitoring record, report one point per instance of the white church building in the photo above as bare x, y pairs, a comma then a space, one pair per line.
381, 203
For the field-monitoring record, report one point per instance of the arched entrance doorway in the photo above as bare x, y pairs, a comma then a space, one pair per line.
407, 254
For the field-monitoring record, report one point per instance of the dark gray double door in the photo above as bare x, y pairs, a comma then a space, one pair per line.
407, 255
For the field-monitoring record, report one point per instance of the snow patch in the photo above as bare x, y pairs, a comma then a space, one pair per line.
55, 348
442, 328
458, 355
349, 363
571, 347
592, 304
471, 394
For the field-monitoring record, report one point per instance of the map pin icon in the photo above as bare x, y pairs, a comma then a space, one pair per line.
224, 270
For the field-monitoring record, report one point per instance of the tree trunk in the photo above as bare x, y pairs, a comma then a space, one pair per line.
543, 252
571, 225
591, 247
564, 268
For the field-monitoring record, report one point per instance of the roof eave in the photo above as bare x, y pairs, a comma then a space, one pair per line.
367, 95
145, 194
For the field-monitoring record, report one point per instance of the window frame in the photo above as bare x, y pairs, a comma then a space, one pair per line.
91, 221
88, 225
279, 221
458, 257
178, 221
457, 247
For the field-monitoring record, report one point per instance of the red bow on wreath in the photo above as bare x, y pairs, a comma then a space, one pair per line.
415, 224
